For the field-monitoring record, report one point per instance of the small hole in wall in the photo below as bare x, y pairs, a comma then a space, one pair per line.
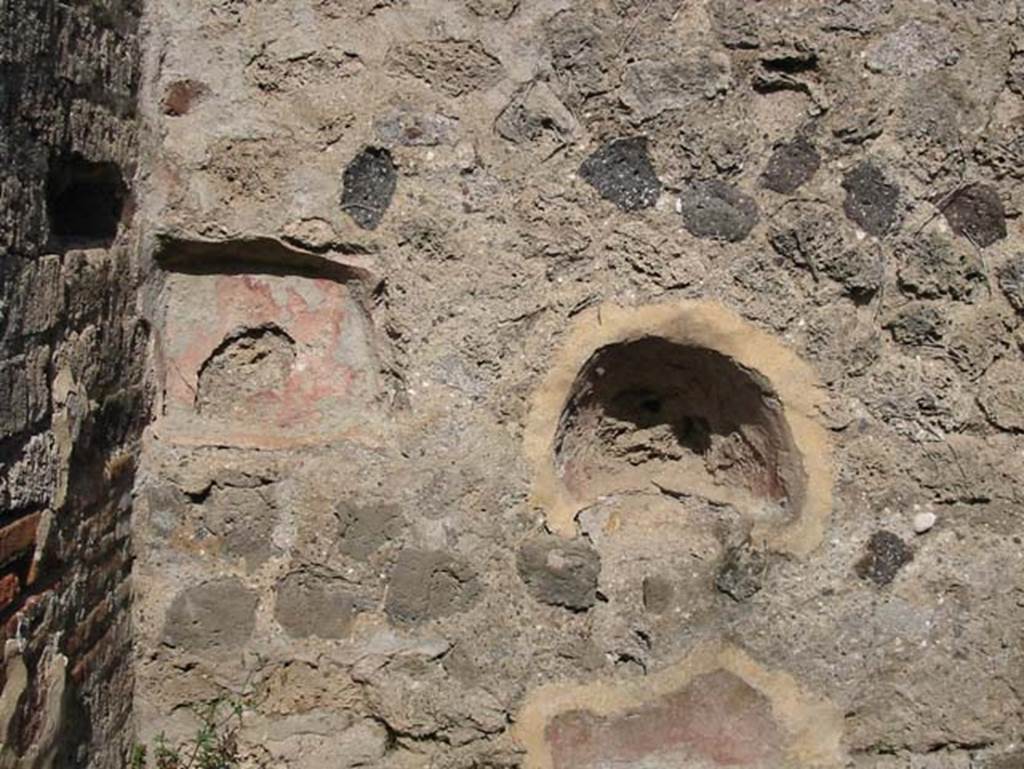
652, 412
247, 369
85, 200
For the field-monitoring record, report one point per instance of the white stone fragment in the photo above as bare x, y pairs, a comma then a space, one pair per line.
923, 522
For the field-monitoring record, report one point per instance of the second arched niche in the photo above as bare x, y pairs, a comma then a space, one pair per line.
688, 400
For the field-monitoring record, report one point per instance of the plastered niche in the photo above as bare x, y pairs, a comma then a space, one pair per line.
254, 354
685, 399
718, 707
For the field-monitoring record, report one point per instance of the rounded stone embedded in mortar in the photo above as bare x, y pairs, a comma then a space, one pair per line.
689, 399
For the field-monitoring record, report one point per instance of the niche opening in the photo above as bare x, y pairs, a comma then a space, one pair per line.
247, 370
85, 200
650, 412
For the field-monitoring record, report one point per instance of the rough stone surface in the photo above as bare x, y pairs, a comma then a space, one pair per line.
678, 80
884, 555
933, 266
913, 49
365, 529
621, 172
368, 185
426, 584
657, 594
791, 165
312, 603
675, 730
362, 417
1001, 395
72, 370
1011, 281
454, 67
918, 325
976, 212
182, 96
741, 573
871, 200
560, 573
415, 129
214, 616
817, 240
717, 210
242, 519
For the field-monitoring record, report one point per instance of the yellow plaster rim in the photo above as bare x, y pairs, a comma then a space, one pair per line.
813, 726
691, 323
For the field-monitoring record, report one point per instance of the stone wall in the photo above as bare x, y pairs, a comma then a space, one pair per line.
72, 360
558, 384
534, 383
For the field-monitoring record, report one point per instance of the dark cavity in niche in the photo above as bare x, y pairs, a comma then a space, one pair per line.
85, 200
684, 418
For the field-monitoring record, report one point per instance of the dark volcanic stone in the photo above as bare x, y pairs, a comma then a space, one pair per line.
741, 573
791, 165
368, 185
429, 583
870, 199
717, 211
884, 555
621, 172
560, 572
976, 212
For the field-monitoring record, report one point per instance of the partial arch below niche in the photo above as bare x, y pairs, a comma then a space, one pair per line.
687, 399
716, 706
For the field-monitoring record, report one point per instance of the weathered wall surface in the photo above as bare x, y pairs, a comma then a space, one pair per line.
586, 384
72, 357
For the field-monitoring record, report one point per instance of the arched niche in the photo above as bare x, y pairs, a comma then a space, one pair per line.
685, 399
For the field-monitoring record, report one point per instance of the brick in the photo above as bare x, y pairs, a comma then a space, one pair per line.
87, 631
40, 298
10, 589
99, 656
16, 538
24, 389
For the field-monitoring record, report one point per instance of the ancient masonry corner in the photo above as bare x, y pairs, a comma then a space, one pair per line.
513, 383
73, 384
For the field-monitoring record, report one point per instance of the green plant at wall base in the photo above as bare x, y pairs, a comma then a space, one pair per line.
214, 746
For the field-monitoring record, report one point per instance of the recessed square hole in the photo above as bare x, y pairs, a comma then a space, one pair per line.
84, 200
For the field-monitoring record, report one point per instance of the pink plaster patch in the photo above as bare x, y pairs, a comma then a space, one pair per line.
331, 371
717, 720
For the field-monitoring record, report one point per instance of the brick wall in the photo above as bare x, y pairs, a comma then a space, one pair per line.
71, 386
